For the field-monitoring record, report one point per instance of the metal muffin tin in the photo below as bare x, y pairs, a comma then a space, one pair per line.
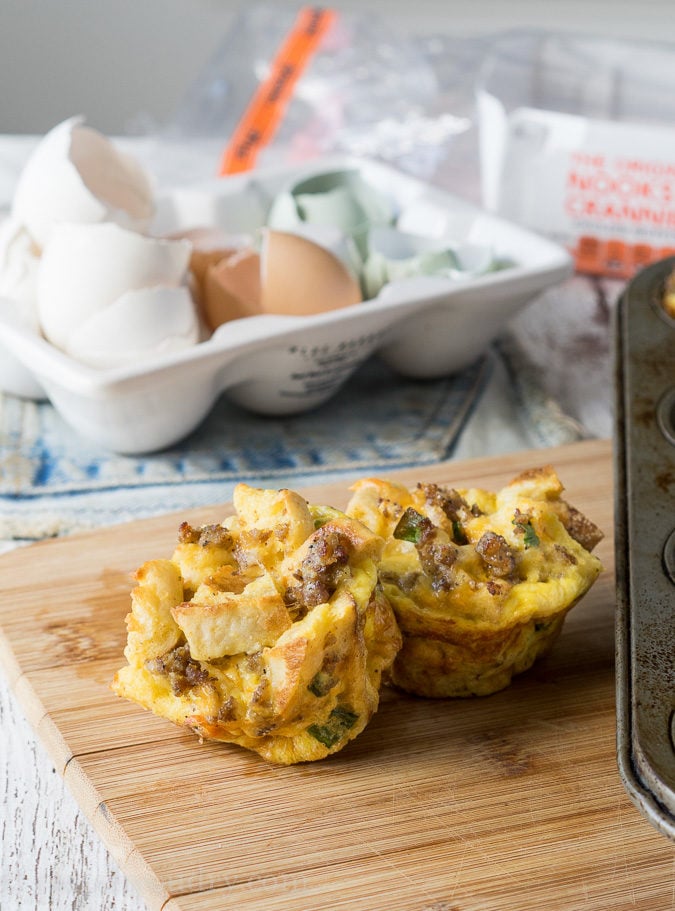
645, 545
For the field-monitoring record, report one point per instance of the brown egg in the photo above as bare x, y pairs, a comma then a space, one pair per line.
200, 263
232, 288
209, 247
300, 278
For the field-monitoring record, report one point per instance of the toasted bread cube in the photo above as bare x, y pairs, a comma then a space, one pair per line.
218, 623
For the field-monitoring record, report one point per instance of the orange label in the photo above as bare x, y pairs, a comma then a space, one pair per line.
615, 258
266, 110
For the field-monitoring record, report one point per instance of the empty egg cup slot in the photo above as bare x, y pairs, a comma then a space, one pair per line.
665, 415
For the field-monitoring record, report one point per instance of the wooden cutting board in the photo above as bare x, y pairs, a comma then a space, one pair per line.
511, 802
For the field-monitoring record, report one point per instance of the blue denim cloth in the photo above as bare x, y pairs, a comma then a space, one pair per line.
52, 481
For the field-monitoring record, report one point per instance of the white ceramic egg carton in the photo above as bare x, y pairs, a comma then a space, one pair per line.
423, 327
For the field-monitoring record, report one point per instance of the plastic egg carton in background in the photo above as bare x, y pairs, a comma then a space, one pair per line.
423, 327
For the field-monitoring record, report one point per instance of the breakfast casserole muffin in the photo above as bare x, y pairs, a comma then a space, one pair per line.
269, 630
480, 582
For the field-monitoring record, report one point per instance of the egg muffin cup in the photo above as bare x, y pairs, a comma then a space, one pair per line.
480, 583
269, 630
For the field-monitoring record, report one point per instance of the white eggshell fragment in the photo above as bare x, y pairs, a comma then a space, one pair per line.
139, 324
19, 260
18, 304
76, 174
84, 268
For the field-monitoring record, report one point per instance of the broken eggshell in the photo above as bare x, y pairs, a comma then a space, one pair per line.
396, 255
154, 321
300, 277
75, 174
231, 288
425, 218
210, 246
86, 268
18, 275
341, 199
291, 276
335, 241
19, 261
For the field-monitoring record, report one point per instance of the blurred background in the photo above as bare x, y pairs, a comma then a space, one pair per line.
126, 64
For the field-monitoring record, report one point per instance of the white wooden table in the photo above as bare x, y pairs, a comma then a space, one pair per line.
50, 857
